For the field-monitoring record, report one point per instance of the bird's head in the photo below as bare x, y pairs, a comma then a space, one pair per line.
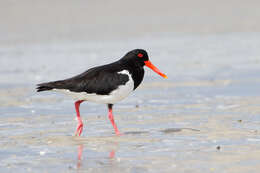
140, 56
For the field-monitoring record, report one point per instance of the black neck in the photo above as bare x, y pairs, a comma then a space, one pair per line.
136, 70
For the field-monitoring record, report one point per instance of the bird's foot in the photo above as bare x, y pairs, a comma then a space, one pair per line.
118, 133
79, 129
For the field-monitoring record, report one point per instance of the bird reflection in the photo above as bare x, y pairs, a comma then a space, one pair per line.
112, 154
80, 150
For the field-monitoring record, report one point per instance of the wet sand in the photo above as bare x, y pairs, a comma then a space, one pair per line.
203, 118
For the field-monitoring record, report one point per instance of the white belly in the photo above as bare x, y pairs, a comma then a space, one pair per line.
118, 94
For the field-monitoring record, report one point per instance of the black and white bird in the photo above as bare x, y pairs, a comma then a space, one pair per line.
107, 84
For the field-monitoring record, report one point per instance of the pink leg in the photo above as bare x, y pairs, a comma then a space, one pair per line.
80, 123
111, 117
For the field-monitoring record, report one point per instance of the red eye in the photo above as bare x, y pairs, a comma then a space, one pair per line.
140, 55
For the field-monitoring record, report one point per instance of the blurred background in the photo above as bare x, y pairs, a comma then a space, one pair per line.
47, 21
203, 118
55, 32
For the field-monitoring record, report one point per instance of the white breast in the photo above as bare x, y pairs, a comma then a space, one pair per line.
118, 94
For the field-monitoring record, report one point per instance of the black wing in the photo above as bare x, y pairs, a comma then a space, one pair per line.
99, 80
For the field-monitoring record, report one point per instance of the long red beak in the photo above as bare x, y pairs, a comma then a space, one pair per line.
156, 70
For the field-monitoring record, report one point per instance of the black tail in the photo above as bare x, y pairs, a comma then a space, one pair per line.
43, 87
50, 85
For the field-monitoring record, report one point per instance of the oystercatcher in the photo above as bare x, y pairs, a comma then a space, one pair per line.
106, 84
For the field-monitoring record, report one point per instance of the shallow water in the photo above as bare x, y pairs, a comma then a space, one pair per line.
203, 118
